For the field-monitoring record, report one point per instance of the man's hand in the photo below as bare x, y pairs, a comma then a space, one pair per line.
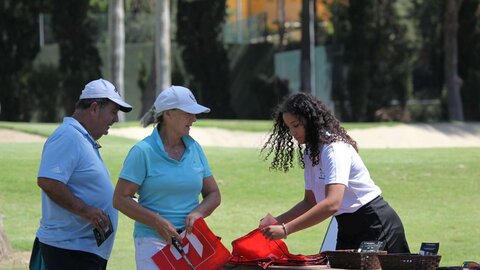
96, 217
61, 195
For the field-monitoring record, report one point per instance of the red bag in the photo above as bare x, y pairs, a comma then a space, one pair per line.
203, 248
255, 249
254, 246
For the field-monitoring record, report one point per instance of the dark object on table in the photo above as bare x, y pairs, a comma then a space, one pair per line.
471, 265
371, 246
429, 248
409, 261
350, 259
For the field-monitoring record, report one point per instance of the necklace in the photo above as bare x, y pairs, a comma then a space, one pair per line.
175, 152
176, 149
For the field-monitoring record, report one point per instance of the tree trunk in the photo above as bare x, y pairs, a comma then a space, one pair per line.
281, 23
148, 95
116, 27
162, 46
453, 82
307, 46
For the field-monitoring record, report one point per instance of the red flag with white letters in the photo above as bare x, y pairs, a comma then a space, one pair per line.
203, 248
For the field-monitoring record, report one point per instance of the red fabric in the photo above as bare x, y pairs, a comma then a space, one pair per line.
202, 247
255, 249
254, 246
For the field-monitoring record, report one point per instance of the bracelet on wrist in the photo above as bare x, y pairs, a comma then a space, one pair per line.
284, 230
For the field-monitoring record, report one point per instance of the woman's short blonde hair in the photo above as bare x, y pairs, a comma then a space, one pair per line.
151, 117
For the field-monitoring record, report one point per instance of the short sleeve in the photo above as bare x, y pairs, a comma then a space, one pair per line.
135, 166
60, 156
336, 162
307, 173
203, 159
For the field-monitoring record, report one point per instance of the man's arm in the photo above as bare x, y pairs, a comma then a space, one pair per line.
61, 195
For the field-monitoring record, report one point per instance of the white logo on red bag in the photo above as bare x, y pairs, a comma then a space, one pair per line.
192, 241
202, 247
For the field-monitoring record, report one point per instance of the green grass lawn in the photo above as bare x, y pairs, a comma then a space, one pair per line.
434, 191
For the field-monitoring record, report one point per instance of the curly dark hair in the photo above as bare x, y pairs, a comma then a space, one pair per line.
321, 127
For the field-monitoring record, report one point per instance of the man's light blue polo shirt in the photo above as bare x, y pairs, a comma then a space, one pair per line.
168, 187
70, 155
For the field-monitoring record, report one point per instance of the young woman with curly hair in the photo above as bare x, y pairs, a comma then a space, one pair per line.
337, 183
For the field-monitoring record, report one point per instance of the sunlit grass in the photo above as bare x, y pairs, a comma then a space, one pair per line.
433, 190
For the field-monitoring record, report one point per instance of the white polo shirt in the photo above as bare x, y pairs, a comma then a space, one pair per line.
340, 163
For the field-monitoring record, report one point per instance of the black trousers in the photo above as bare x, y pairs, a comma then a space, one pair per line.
62, 259
375, 221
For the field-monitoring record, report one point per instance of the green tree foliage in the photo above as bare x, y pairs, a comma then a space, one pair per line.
267, 93
428, 68
378, 50
79, 58
43, 84
18, 47
469, 58
204, 54
394, 49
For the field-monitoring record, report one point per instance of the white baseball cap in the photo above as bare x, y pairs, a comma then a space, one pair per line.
178, 97
104, 89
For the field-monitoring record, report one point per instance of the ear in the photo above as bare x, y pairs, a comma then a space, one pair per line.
94, 107
167, 113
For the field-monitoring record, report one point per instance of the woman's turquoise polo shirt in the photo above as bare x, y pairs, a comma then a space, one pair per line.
168, 187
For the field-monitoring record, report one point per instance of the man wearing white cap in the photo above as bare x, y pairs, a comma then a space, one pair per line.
168, 170
78, 223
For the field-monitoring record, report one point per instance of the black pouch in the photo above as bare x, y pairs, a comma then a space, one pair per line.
101, 236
